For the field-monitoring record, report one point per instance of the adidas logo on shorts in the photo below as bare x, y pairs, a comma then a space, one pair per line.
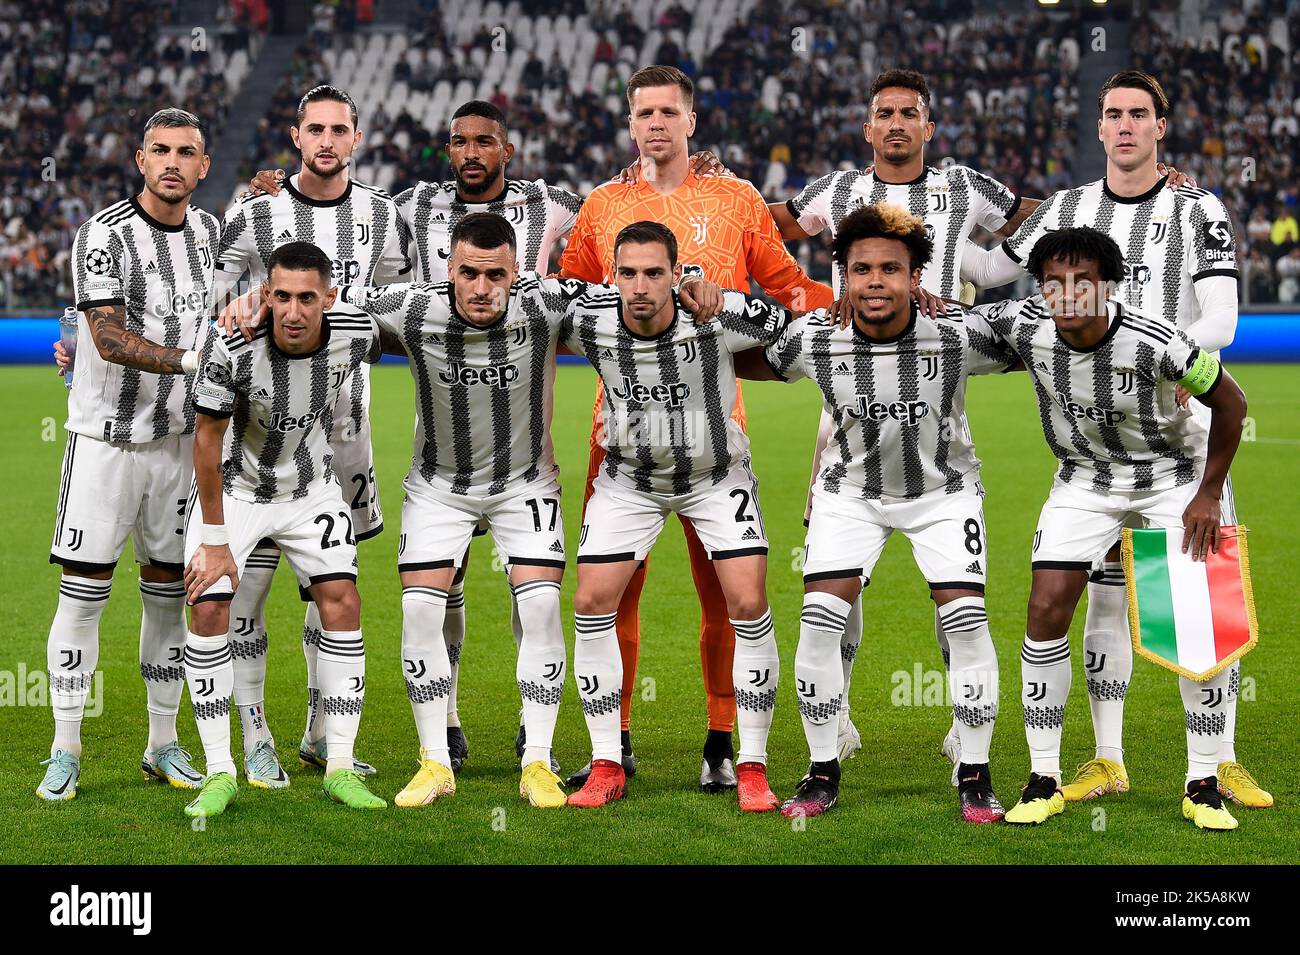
975, 568
556, 547
749, 535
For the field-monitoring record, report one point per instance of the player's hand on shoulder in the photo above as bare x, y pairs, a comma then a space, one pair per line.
929, 303
1182, 396
840, 313
702, 298
209, 564
247, 313
1176, 179
704, 164
265, 182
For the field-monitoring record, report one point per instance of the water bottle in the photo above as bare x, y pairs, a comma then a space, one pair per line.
68, 338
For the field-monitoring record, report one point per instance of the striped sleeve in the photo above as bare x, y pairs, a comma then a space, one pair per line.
785, 356
811, 208
97, 266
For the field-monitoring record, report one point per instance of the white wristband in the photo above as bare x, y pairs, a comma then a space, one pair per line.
190, 362
215, 535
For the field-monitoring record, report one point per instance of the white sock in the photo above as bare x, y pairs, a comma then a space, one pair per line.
426, 668
1046, 675
162, 656
72, 653
1107, 658
341, 668
972, 675
819, 678
850, 642
755, 673
1227, 747
598, 669
248, 644
211, 678
945, 651
540, 666
311, 633
1203, 705
453, 634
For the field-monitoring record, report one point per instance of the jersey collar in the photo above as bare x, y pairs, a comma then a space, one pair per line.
911, 327
321, 203
324, 342
1114, 310
925, 172
1134, 200
154, 223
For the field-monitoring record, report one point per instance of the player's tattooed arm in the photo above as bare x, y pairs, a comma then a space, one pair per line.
122, 347
1023, 212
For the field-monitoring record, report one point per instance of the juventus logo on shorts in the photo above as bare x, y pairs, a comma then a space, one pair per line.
412, 668
1213, 696
1094, 662
759, 677
1126, 380
1037, 691
75, 537
1038, 539
71, 659
929, 367
589, 684
688, 350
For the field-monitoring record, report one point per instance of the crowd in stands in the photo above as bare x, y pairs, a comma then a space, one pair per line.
1233, 81
80, 77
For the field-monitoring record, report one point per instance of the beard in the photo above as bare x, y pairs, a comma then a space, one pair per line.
171, 198
339, 165
471, 189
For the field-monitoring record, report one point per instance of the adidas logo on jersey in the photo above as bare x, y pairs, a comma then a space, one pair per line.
974, 568
749, 535
261, 394
151, 268
843, 368
607, 355
440, 217
285, 236
556, 547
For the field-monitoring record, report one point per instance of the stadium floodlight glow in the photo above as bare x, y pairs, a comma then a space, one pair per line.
1048, 3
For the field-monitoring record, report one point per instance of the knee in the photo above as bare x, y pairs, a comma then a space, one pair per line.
590, 601
341, 609
210, 618
1049, 616
749, 607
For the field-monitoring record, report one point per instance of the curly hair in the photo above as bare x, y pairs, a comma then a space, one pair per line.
882, 220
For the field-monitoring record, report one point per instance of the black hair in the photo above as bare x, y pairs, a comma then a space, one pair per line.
1072, 245
326, 94
645, 232
882, 220
484, 230
301, 257
173, 117
478, 107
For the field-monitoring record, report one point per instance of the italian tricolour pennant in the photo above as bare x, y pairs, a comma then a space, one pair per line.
1192, 617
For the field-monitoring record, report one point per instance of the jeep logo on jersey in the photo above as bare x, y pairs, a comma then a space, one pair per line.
1107, 416
170, 302
673, 395
494, 376
1137, 274
282, 422
345, 271
908, 413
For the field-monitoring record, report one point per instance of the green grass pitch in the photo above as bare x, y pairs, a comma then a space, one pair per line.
896, 804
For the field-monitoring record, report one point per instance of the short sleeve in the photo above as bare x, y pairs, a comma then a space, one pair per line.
785, 356
988, 352
1213, 246
747, 321
97, 266
992, 202
562, 209
811, 208
214, 393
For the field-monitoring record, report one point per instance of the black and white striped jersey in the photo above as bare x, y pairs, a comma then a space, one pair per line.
898, 406
360, 231
483, 395
951, 199
1108, 414
1171, 239
541, 216
162, 275
668, 398
280, 405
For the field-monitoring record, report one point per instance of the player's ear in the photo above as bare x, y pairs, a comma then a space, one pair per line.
677, 274
205, 166
690, 128
929, 129
139, 160
293, 134
1161, 125
356, 139
331, 294
508, 152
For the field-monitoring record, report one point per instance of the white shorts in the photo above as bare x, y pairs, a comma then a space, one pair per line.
314, 533
526, 524
110, 491
1078, 526
354, 466
622, 523
846, 534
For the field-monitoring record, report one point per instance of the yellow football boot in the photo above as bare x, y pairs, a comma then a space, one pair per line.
432, 781
541, 787
1039, 801
1203, 805
1096, 777
1240, 786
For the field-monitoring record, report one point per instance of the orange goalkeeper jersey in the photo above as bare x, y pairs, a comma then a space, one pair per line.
723, 229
